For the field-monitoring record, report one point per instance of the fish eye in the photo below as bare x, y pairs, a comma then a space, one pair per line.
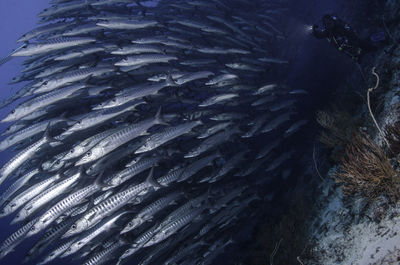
71, 151
45, 83
130, 224
114, 100
58, 162
33, 228
13, 111
73, 226
89, 153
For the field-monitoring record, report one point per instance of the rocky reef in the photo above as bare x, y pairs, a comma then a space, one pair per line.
351, 226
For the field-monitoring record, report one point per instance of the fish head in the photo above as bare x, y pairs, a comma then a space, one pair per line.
100, 106
108, 104
6, 210
132, 225
76, 127
8, 130
20, 216
12, 116
45, 86
58, 164
46, 12
158, 237
75, 151
93, 169
89, 156
72, 249
5, 251
127, 253
6, 142
79, 226
36, 228
24, 37
25, 50
147, 146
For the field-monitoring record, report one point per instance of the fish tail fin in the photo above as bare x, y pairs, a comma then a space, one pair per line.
170, 81
46, 135
150, 179
199, 122
159, 119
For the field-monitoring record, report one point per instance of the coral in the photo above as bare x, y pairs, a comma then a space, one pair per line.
339, 128
325, 119
328, 140
366, 170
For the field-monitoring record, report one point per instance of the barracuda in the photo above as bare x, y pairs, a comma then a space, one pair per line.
53, 45
166, 135
110, 205
14, 163
46, 196
147, 213
119, 138
98, 75
59, 208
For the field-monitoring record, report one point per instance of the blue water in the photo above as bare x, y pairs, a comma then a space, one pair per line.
314, 66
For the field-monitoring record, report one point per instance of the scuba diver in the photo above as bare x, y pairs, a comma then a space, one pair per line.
343, 37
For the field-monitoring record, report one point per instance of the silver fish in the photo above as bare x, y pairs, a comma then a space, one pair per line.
147, 213
119, 138
68, 202
157, 139
52, 45
145, 59
110, 205
49, 194
20, 158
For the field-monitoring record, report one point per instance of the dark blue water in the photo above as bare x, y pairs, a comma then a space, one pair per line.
314, 66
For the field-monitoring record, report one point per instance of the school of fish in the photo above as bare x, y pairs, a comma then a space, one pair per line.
144, 131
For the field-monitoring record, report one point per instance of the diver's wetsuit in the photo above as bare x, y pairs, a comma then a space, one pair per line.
343, 37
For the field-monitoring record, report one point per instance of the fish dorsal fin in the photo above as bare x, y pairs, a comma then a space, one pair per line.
150, 179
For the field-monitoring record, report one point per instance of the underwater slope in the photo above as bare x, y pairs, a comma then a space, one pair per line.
145, 130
